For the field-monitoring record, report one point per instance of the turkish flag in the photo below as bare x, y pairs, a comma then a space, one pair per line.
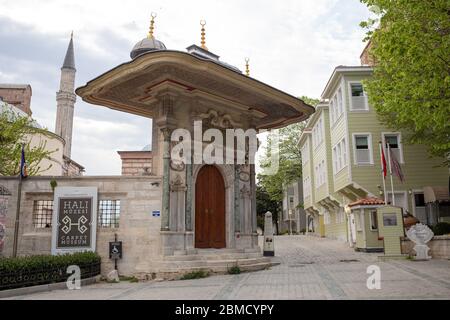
383, 161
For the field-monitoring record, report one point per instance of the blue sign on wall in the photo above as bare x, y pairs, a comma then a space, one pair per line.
156, 213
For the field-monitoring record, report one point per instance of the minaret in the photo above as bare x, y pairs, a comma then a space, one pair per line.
65, 99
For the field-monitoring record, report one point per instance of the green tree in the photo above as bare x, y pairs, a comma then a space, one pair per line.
410, 42
264, 204
15, 130
290, 160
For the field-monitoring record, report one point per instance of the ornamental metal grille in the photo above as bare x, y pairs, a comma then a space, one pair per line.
42, 214
109, 213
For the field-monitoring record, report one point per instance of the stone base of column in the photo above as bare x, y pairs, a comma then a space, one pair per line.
176, 243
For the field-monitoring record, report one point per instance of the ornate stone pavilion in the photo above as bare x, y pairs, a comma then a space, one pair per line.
203, 206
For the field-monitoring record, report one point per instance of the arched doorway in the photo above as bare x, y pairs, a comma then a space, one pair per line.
209, 209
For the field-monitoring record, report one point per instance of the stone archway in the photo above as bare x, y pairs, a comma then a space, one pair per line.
210, 209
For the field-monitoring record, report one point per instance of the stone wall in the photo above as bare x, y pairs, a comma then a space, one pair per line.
439, 247
17, 95
138, 229
136, 163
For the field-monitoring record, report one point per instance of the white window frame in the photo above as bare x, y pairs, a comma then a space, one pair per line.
400, 144
339, 157
360, 221
351, 97
305, 153
307, 187
370, 146
405, 196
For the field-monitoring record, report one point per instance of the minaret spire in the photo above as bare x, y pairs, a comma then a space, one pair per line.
69, 60
152, 26
247, 67
203, 33
65, 99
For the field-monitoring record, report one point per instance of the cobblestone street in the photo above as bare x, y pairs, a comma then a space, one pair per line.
311, 268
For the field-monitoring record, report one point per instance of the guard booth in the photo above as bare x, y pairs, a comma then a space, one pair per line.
366, 225
390, 229
378, 227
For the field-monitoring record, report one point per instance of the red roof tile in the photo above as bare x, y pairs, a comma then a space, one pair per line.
367, 202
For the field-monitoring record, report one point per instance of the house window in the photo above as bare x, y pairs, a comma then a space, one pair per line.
419, 199
326, 218
358, 97
340, 156
320, 174
332, 107
340, 216
336, 107
305, 153
363, 152
42, 213
109, 213
340, 104
307, 187
318, 133
359, 221
373, 220
394, 141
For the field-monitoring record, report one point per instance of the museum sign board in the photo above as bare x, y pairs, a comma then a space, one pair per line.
74, 222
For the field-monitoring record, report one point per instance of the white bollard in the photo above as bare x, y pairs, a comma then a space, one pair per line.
269, 249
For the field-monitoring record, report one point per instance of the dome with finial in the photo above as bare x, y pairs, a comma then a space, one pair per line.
150, 43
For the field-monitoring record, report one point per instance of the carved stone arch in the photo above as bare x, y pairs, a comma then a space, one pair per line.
227, 171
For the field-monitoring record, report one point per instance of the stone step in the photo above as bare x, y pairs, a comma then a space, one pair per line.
217, 256
208, 264
223, 267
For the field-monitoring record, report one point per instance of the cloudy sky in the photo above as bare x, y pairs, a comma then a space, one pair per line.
293, 45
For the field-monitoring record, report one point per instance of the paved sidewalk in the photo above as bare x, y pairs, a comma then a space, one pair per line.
311, 268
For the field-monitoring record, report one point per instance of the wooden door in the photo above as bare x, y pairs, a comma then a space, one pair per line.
209, 209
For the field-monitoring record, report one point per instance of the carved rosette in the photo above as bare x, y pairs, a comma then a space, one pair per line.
178, 184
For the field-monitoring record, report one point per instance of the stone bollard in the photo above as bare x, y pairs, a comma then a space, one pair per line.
269, 249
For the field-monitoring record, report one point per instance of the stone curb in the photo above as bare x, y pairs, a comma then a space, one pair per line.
43, 288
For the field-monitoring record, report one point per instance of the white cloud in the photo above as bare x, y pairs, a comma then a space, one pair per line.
293, 45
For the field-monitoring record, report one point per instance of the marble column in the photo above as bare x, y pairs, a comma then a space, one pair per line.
165, 219
253, 198
188, 210
237, 191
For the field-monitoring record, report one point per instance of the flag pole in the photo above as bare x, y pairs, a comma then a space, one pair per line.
390, 173
19, 198
382, 172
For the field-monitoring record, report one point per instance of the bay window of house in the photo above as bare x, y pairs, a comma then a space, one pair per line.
394, 141
358, 101
363, 149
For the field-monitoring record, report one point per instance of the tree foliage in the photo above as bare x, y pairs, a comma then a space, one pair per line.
410, 87
290, 160
264, 204
16, 130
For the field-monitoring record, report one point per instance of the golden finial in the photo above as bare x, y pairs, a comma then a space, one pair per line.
152, 26
203, 42
247, 67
